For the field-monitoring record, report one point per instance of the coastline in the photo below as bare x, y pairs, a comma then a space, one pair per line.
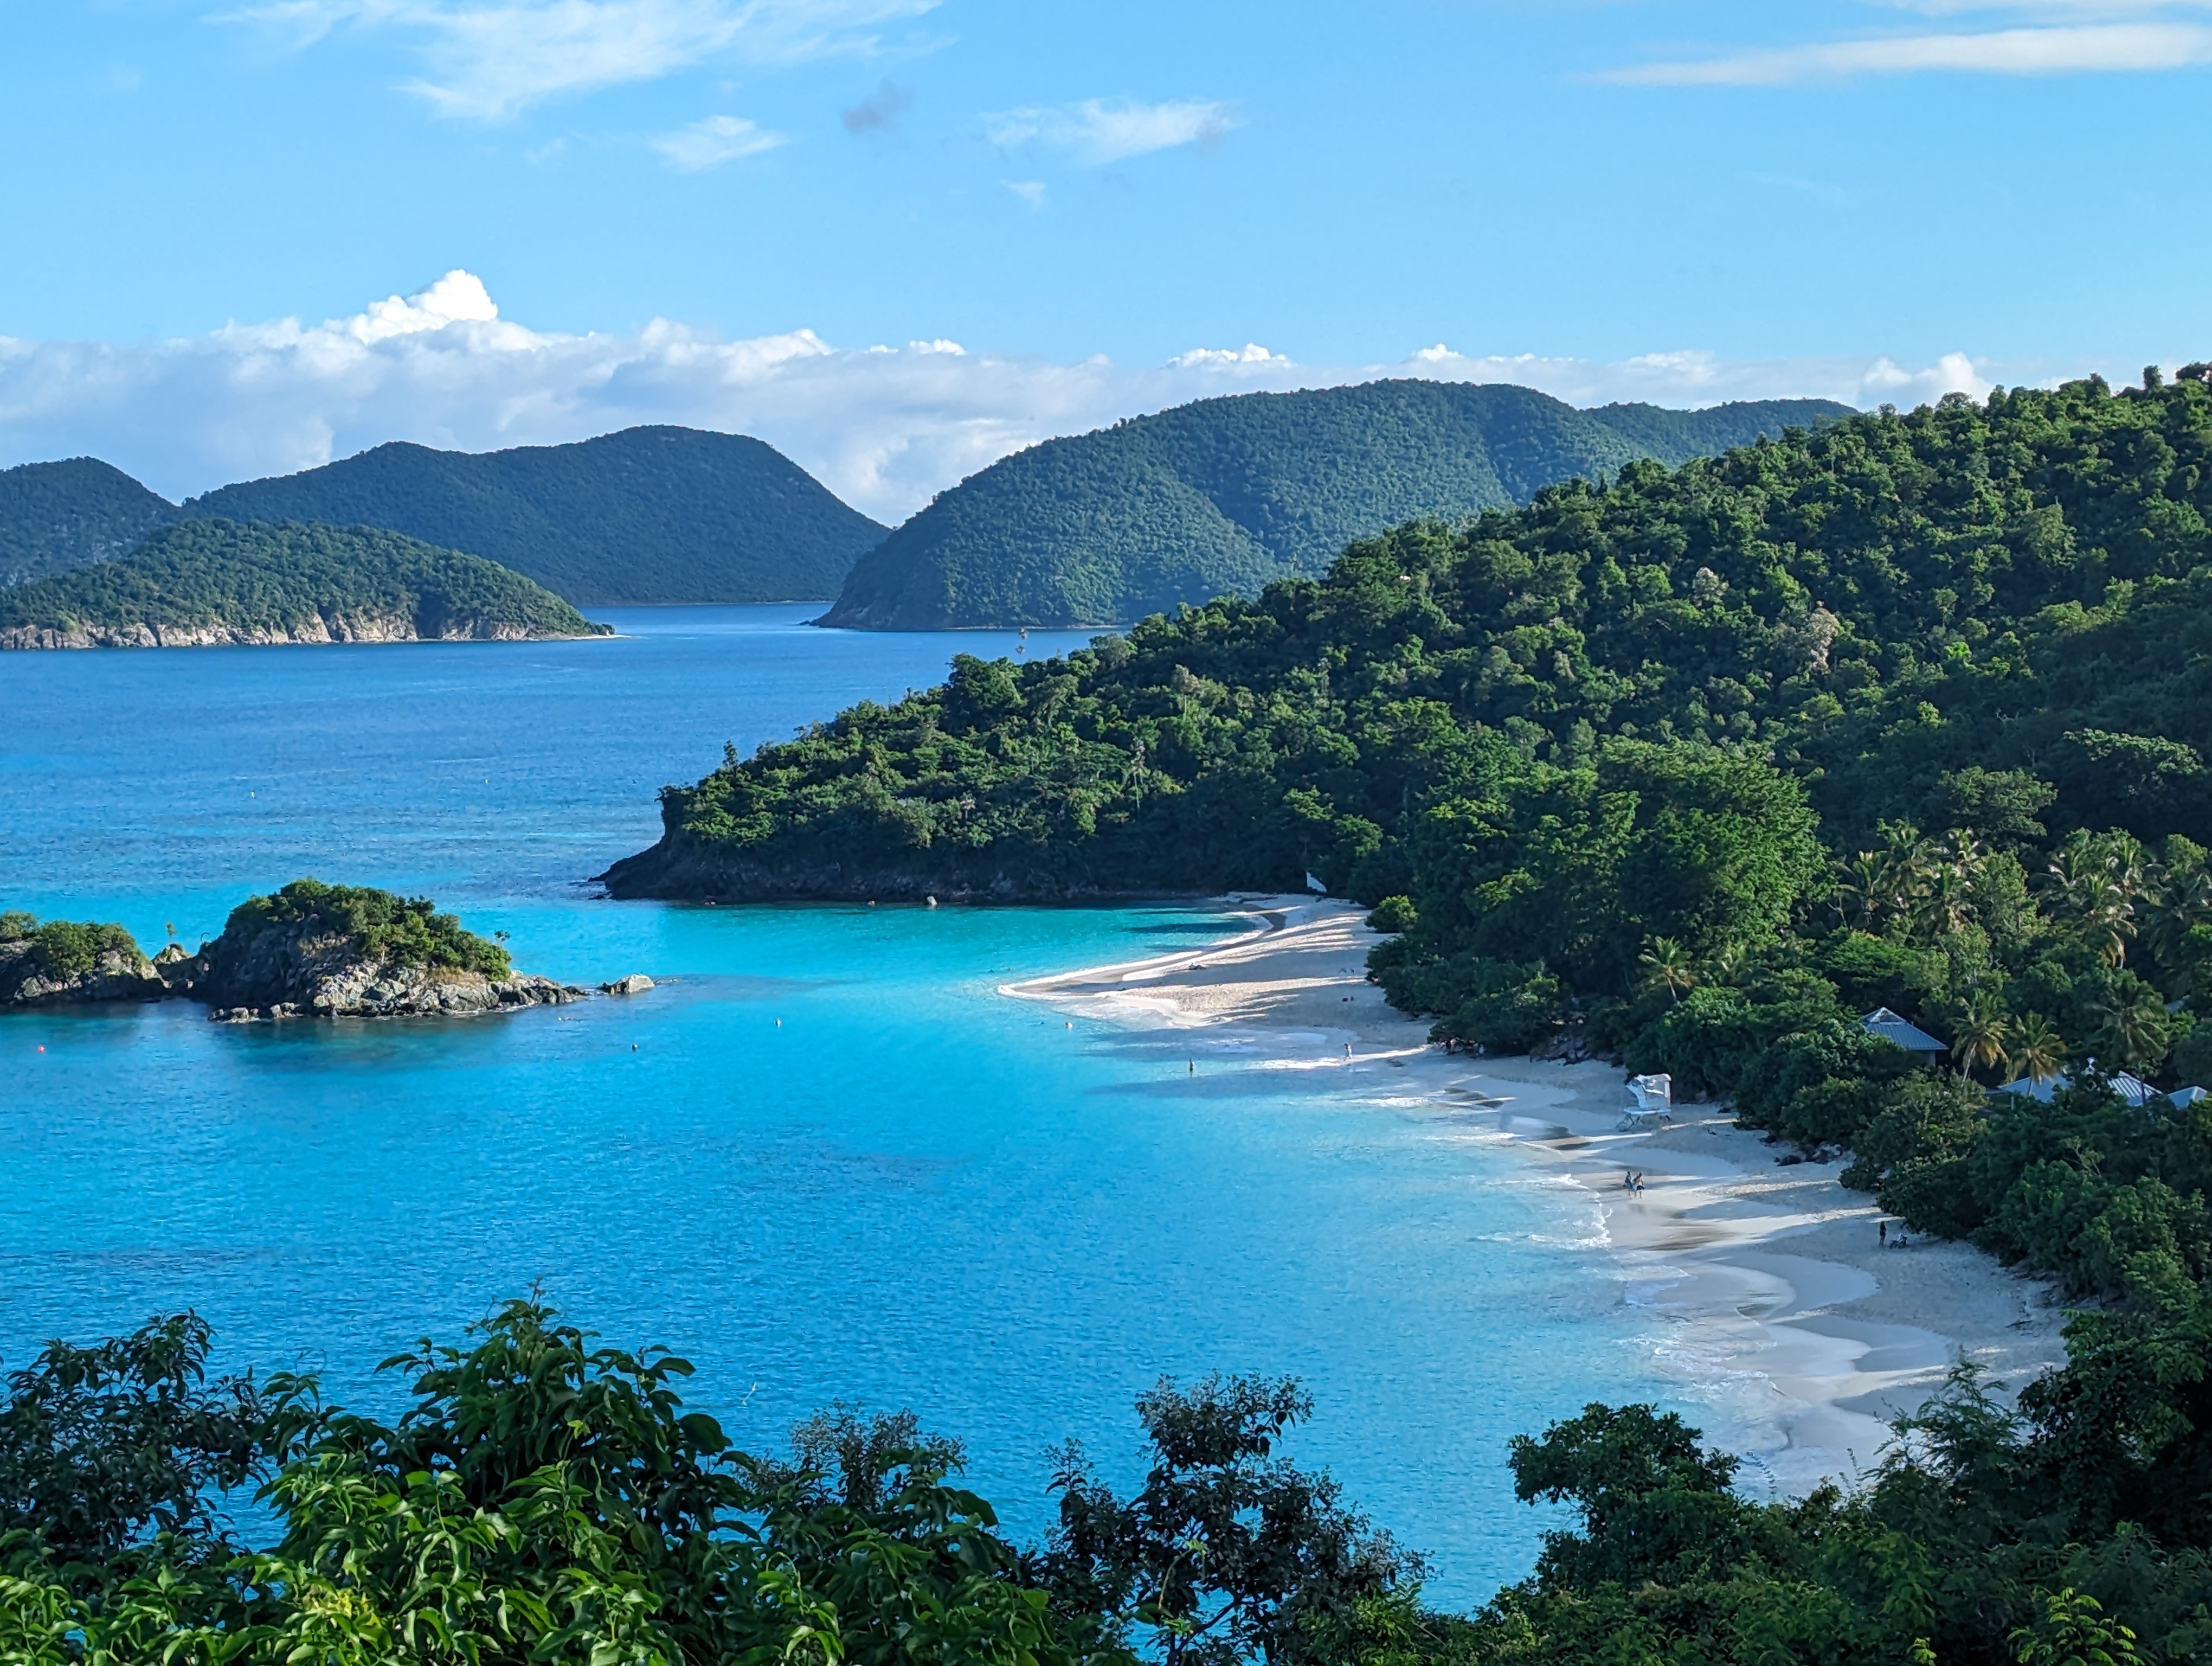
1772, 1299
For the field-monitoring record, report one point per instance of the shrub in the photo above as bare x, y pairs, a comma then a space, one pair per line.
408, 931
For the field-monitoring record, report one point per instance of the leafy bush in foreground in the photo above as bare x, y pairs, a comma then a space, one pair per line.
545, 1498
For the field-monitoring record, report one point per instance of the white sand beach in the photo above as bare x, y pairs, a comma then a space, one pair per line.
1775, 1301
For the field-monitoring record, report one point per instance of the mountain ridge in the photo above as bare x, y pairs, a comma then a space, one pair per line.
651, 514
1220, 496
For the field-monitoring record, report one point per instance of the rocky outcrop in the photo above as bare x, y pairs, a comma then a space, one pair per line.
304, 970
315, 628
635, 984
28, 980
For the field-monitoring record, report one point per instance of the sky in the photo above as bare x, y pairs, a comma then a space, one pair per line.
900, 238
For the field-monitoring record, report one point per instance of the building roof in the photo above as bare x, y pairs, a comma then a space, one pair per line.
2132, 1089
1910, 1037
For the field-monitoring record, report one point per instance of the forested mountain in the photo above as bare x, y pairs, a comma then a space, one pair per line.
649, 514
212, 582
1222, 497
54, 516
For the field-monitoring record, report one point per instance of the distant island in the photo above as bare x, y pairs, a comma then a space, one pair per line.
647, 516
206, 583
311, 949
1223, 496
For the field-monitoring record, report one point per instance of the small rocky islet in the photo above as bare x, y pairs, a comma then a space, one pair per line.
310, 950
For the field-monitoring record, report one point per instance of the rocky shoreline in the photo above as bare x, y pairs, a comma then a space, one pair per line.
304, 962
317, 630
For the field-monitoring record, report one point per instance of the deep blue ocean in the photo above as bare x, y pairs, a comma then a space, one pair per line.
828, 1162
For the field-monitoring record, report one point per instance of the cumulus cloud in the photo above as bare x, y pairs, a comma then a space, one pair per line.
491, 59
711, 143
1228, 358
1100, 130
884, 428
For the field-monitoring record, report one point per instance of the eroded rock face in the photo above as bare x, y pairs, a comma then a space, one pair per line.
308, 971
334, 628
116, 975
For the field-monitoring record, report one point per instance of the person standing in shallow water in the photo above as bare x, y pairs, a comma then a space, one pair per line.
1881, 1234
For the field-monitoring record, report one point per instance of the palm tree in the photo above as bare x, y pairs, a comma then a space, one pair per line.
1665, 961
2133, 1028
2094, 882
2184, 903
2038, 1052
1982, 1036
1865, 886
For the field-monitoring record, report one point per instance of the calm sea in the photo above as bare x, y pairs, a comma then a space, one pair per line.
828, 1162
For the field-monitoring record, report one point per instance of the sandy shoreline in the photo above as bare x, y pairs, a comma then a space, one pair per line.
1774, 1301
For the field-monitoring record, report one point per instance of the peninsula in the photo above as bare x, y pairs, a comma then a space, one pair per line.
216, 583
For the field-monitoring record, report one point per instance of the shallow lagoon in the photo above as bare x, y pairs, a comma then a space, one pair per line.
830, 1161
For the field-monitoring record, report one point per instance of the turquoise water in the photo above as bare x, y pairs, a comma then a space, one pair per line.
828, 1161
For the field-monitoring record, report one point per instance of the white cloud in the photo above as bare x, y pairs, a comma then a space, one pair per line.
711, 143
1031, 191
1228, 358
1100, 130
2038, 50
884, 428
458, 297
490, 58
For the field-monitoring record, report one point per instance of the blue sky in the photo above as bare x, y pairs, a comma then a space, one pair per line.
1681, 199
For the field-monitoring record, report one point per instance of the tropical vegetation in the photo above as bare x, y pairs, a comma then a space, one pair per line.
226, 581
380, 927
545, 1497
63, 949
1696, 769
1224, 494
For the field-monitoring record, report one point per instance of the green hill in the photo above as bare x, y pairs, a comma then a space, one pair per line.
1220, 497
54, 516
646, 516
211, 583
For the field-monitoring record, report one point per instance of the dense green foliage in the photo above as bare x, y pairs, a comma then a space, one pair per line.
405, 931
69, 948
548, 1499
1224, 495
649, 514
290, 580
54, 516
